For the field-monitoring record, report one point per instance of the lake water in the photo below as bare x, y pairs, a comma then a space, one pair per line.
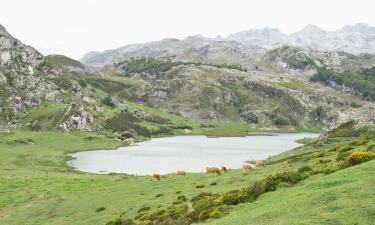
187, 153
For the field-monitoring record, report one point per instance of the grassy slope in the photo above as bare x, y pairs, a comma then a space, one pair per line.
344, 197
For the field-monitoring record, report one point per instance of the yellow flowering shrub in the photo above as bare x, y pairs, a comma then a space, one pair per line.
360, 156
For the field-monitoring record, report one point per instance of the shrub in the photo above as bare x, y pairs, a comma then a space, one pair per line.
362, 141
182, 198
100, 209
121, 222
82, 83
229, 198
360, 157
213, 183
108, 101
199, 185
343, 148
337, 167
178, 192
202, 195
144, 208
343, 155
219, 211
370, 147
304, 169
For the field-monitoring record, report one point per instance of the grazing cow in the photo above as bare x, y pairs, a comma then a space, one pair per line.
156, 176
181, 173
260, 163
224, 169
247, 167
212, 170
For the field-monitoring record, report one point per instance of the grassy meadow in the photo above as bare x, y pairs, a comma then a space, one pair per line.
37, 186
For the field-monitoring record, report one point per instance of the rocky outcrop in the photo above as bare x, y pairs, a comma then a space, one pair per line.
301, 61
27, 80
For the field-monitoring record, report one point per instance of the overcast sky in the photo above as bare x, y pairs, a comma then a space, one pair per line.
75, 27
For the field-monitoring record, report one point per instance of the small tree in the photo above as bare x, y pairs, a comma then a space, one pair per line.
108, 101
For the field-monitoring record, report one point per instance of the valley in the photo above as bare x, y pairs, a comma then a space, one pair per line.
249, 86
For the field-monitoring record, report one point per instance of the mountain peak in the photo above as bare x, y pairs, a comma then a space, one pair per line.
363, 28
3, 31
311, 28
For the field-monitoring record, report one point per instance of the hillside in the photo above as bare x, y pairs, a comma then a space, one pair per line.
213, 93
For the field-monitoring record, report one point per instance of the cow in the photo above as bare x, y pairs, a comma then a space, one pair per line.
224, 169
156, 176
181, 173
212, 170
247, 167
260, 163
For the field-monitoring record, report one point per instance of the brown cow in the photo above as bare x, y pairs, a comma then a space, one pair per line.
180, 172
224, 169
156, 176
260, 163
247, 167
212, 170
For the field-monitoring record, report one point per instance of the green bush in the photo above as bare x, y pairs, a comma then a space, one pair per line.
219, 211
343, 156
362, 141
199, 185
144, 208
82, 83
121, 222
343, 148
229, 198
100, 209
213, 183
108, 101
362, 81
182, 198
333, 168
304, 169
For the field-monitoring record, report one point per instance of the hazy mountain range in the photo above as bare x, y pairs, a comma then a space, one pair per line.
245, 45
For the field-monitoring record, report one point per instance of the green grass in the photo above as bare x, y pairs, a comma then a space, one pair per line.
37, 187
226, 130
344, 197
48, 109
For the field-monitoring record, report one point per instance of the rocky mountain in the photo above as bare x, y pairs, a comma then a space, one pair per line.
207, 80
268, 38
27, 80
356, 39
193, 48
245, 47
302, 61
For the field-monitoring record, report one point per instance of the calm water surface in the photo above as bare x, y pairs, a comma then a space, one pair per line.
188, 153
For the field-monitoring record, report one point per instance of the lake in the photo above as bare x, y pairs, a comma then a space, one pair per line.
187, 153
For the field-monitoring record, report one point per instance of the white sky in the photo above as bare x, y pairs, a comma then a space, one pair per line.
74, 27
